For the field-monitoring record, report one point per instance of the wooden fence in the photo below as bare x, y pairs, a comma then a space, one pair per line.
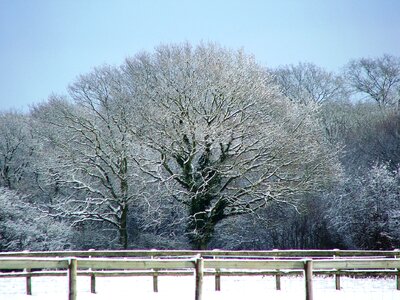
208, 253
198, 264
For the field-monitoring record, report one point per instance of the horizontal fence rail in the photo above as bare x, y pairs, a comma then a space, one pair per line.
219, 263
357, 264
208, 253
136, 264
253, 264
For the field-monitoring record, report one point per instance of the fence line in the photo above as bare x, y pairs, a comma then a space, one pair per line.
336, 253
197, 265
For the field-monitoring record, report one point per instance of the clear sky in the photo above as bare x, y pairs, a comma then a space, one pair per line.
46, 44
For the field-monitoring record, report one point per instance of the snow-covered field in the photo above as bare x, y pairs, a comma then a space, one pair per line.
182, 288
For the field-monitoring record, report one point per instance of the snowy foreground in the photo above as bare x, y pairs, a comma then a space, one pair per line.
182, 288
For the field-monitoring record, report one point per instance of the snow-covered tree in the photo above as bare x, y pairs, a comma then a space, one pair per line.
372, 136
24, 227
15, 149
377, 78
216, 130
91, 150
308, 83
366, 211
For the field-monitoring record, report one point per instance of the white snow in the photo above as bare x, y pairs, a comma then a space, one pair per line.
182, 288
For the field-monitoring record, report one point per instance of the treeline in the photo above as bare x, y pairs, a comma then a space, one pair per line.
202, 147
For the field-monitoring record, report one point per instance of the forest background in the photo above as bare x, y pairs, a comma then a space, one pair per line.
203, 147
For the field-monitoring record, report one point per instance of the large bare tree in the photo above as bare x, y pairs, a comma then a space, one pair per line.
307, 83
216, 130
90, 150
377, 78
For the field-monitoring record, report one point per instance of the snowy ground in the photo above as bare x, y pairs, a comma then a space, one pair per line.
182, 288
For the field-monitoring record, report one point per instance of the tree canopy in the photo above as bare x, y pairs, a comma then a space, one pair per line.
202, 146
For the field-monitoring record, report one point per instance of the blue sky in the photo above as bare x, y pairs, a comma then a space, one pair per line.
46, 44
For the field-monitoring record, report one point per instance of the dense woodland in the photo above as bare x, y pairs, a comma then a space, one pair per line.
202, 147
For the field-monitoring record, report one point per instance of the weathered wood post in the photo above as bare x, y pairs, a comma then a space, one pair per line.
308, 278
278, 280
337, 280
277, 276
155, 281
155, 275
217, 275
217, 280
337, 274
28, 278
398, 279
28, 282
72, 275
92, 278
93, 283
398, 270
199, 273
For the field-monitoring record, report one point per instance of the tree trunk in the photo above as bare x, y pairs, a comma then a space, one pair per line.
203, 219
123, 230
200, 240
200, 229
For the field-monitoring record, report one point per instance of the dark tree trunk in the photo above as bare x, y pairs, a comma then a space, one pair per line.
123, 230
202, 221
200, 231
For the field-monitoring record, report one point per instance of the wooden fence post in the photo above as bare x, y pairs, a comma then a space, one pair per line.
92, 278
337, 281
199, 273
155, 281
217, 275
28, 278
277, 278
398, 280
308, 278
93, 283
337, 275
72, 275
217, 280
28, 282
398, 271
155, 275
278, 281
